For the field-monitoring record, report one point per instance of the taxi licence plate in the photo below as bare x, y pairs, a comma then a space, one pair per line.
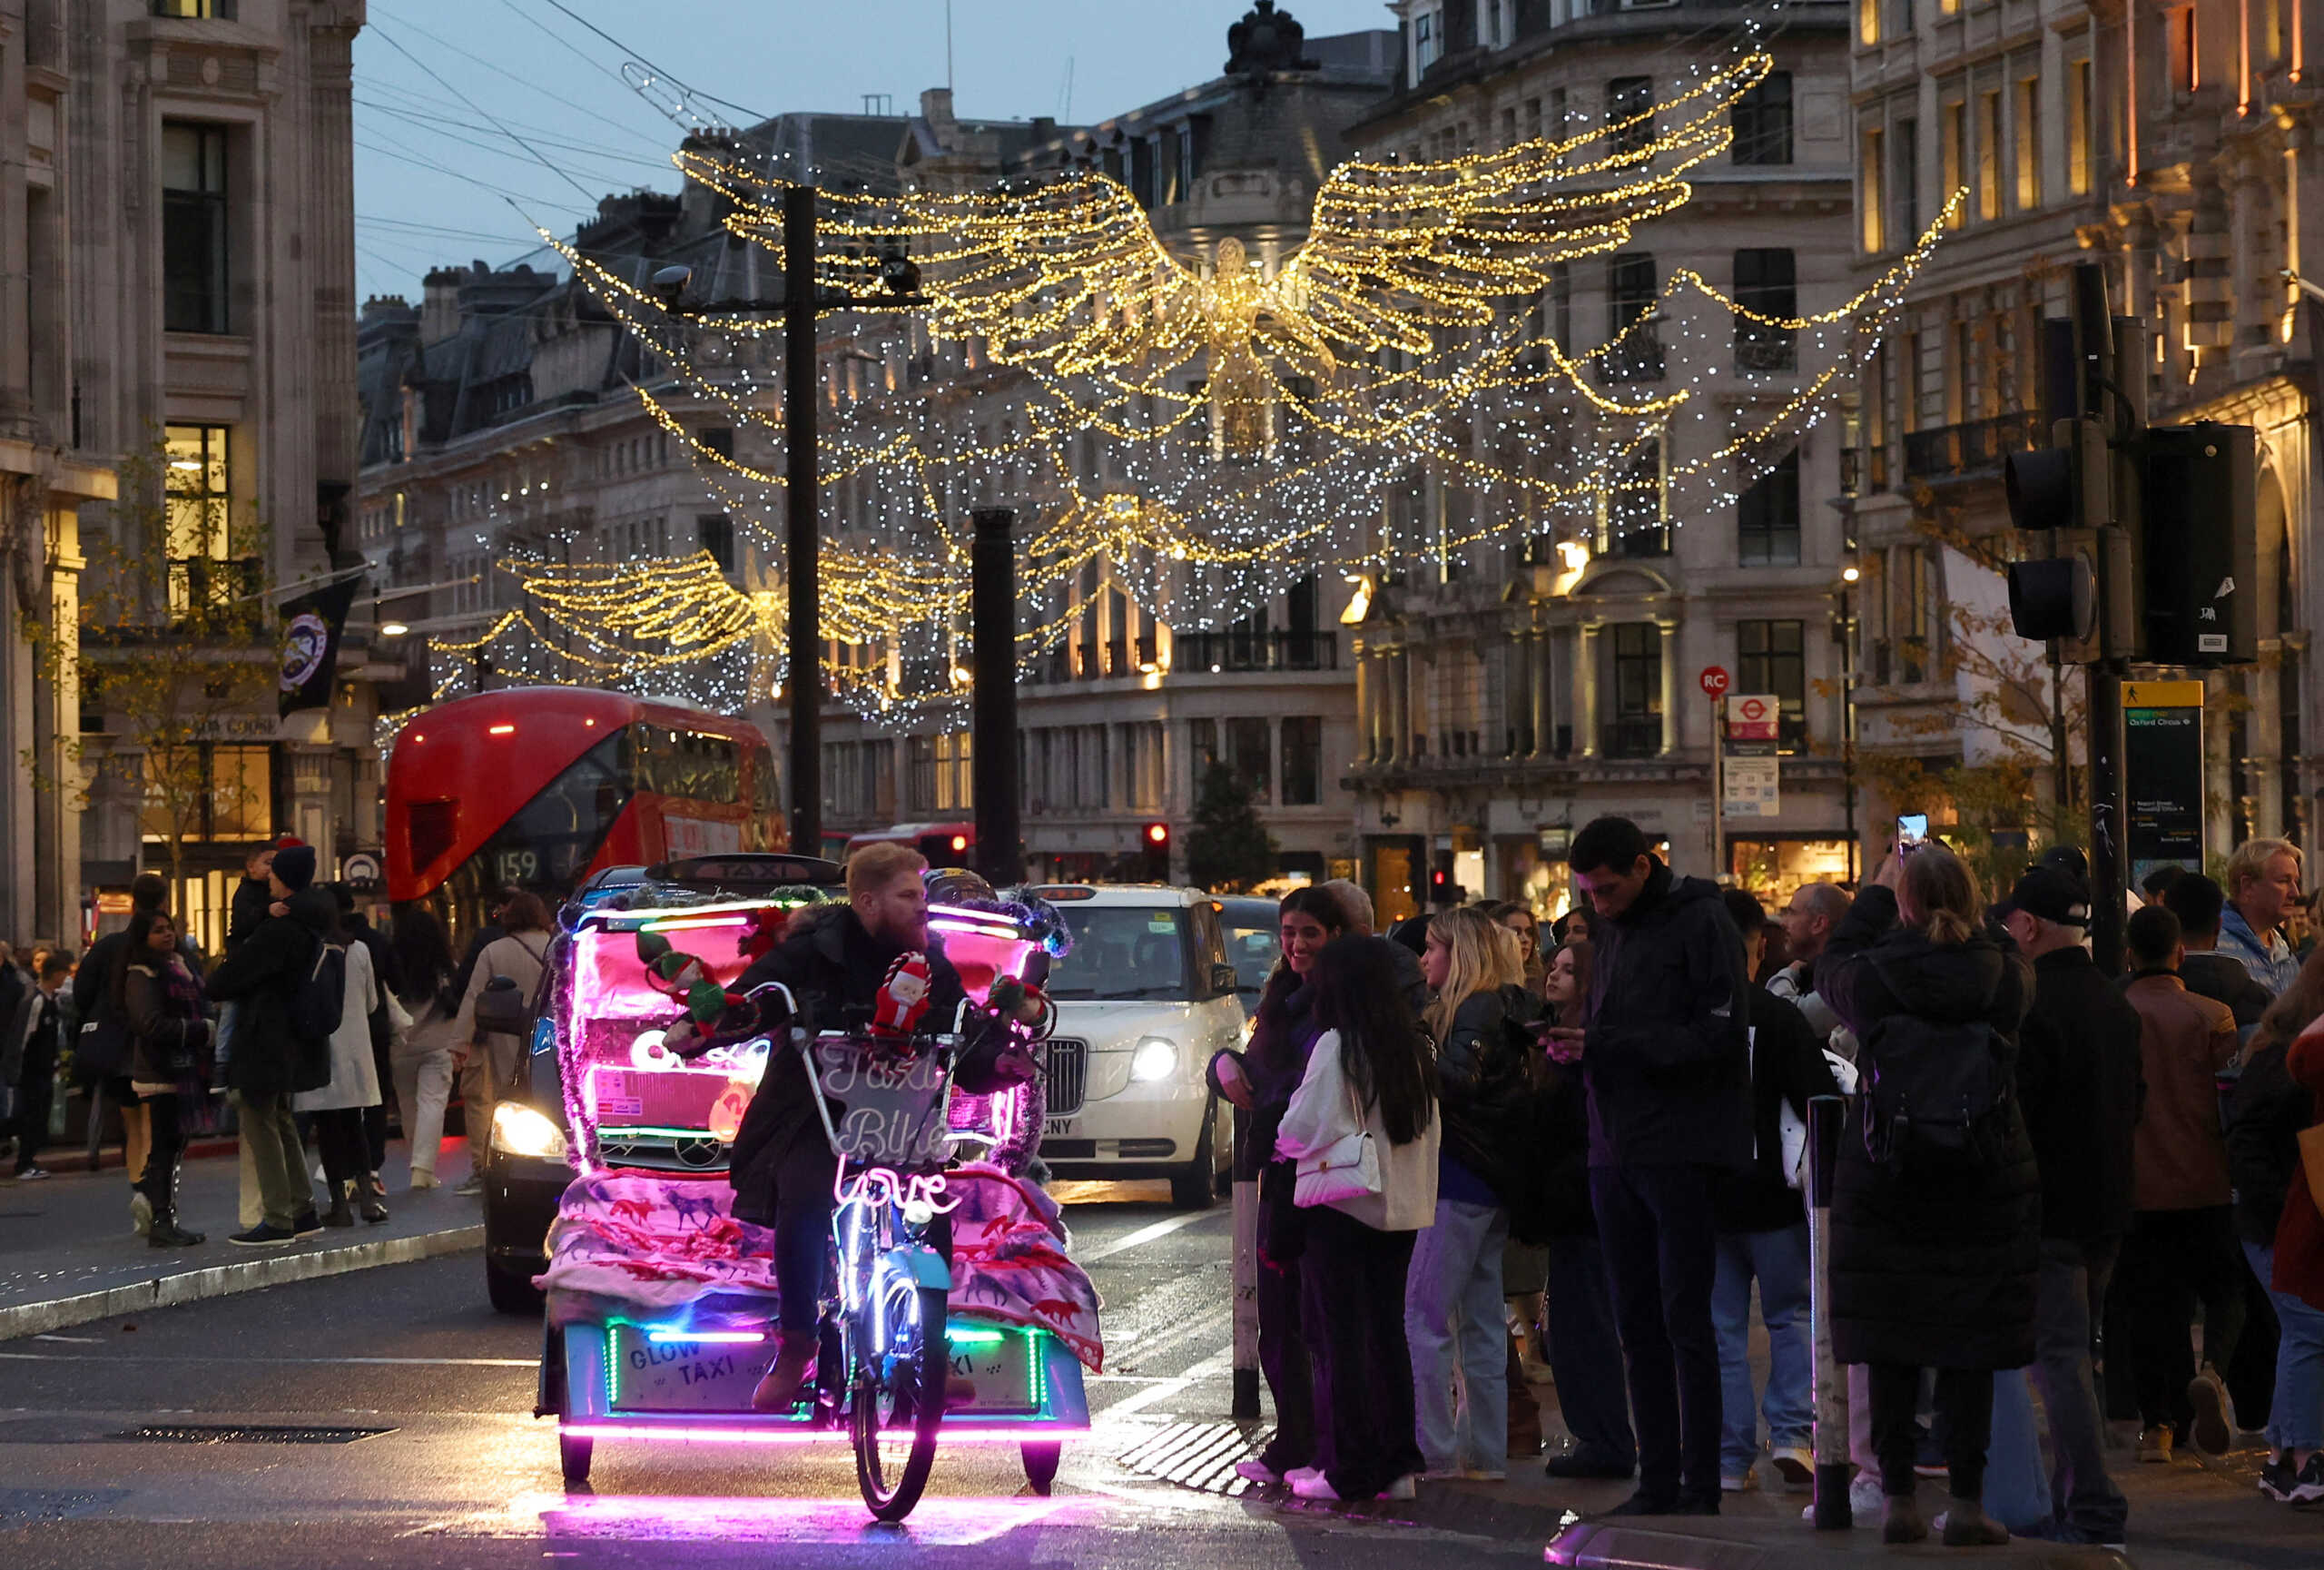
679, 1376
1058, 1126
1001, 1367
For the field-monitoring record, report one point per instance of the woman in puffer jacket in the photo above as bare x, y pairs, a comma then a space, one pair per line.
1925, 1274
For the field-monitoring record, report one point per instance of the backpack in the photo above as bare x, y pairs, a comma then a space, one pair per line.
316, 1003
1934, 1098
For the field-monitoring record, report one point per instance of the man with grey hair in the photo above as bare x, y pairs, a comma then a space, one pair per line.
1810, 919
2263, 884
1356, 906
1355, 903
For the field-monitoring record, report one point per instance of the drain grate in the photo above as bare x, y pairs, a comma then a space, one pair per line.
1199, 1455
38, 1507
246, 1434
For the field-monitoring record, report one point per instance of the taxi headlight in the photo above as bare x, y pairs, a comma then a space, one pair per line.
519, 1131
1155, 1059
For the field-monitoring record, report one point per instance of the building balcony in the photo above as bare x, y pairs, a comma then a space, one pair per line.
1973, 449
1220, 652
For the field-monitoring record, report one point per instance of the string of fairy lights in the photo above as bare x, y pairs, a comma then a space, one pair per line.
1194, 435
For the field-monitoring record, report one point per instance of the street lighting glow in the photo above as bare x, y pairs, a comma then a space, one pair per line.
1850, 574
393, 629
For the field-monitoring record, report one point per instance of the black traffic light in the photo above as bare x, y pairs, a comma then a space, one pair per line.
1153, 840
2064, 491
2201, 547
1439, 886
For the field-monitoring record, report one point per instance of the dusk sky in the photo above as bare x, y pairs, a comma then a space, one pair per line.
435, 179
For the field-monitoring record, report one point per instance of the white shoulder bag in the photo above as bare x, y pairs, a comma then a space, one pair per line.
1346, 1169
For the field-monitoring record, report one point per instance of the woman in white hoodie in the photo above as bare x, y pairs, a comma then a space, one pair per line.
1371, 1081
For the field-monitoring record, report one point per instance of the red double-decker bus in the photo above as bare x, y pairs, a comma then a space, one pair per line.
540, 786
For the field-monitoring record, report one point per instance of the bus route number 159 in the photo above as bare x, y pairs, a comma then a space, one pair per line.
518, 867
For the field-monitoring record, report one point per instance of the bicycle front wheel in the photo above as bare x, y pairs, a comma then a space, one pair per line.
899, 1393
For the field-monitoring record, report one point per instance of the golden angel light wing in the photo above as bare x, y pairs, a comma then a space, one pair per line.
1398, 249
1062, 271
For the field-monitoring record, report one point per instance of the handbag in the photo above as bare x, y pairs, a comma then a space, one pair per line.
102, 1049
1346, 1169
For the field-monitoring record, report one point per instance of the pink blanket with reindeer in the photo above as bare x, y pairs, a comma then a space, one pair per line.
626, 1241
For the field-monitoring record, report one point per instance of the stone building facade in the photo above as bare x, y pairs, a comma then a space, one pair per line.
2176, 146
1514, 689
176, 203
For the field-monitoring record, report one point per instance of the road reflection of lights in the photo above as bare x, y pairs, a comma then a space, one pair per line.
940, 1522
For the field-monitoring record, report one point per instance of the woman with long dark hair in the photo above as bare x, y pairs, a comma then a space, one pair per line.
1281, 1036
1933, 1270
158, 997
1370, 1080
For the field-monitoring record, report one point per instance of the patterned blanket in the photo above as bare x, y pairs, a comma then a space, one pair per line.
627, 1242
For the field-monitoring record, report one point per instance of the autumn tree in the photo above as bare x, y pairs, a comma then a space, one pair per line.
177, 641
2008, 706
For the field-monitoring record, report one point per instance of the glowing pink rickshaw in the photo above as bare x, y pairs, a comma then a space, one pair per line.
661, 1303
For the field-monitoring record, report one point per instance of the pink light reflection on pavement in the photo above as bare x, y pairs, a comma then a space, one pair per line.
936, 1522
714, 1434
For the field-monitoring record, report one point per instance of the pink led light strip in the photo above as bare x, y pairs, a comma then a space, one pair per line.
1032, 1429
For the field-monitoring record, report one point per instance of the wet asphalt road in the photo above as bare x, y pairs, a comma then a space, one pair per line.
463, 1476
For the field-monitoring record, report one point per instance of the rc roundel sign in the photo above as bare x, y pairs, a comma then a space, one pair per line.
1715, 681
360, 870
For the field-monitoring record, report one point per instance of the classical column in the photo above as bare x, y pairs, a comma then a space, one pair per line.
1365, 725
1516, 695
1391, 706
1585, 682
1544, 708
1670, 654
1400, 711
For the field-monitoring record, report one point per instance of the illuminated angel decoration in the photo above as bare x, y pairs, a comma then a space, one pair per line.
1198, 431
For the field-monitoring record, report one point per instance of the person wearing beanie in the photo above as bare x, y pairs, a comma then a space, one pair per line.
270, 1063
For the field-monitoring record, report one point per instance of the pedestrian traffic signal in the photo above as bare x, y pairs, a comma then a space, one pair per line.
1154, 839
2200, 549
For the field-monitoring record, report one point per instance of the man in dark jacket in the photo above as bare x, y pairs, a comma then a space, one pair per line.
265, 974
1668, 1065
2199, 904
835, 960
1763, 1235
2079, 1082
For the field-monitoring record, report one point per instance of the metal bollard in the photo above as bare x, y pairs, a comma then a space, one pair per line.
1247, 1280
1827, 1116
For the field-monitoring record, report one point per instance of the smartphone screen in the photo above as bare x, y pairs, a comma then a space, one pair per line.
1912, 831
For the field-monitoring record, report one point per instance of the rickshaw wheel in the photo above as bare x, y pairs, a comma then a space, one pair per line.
573, 1451
1040, 1465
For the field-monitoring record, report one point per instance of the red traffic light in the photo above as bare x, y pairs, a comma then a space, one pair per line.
1157, 834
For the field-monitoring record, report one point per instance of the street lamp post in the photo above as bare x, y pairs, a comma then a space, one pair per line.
1846, 636
802, 304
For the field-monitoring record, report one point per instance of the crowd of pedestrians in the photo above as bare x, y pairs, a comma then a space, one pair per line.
299, 1036
2049, 1175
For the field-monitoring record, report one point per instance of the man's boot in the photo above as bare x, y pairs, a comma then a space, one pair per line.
795, 1365
165, 1233
339, 1215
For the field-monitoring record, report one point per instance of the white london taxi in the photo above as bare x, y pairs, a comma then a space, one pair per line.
1145, 998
